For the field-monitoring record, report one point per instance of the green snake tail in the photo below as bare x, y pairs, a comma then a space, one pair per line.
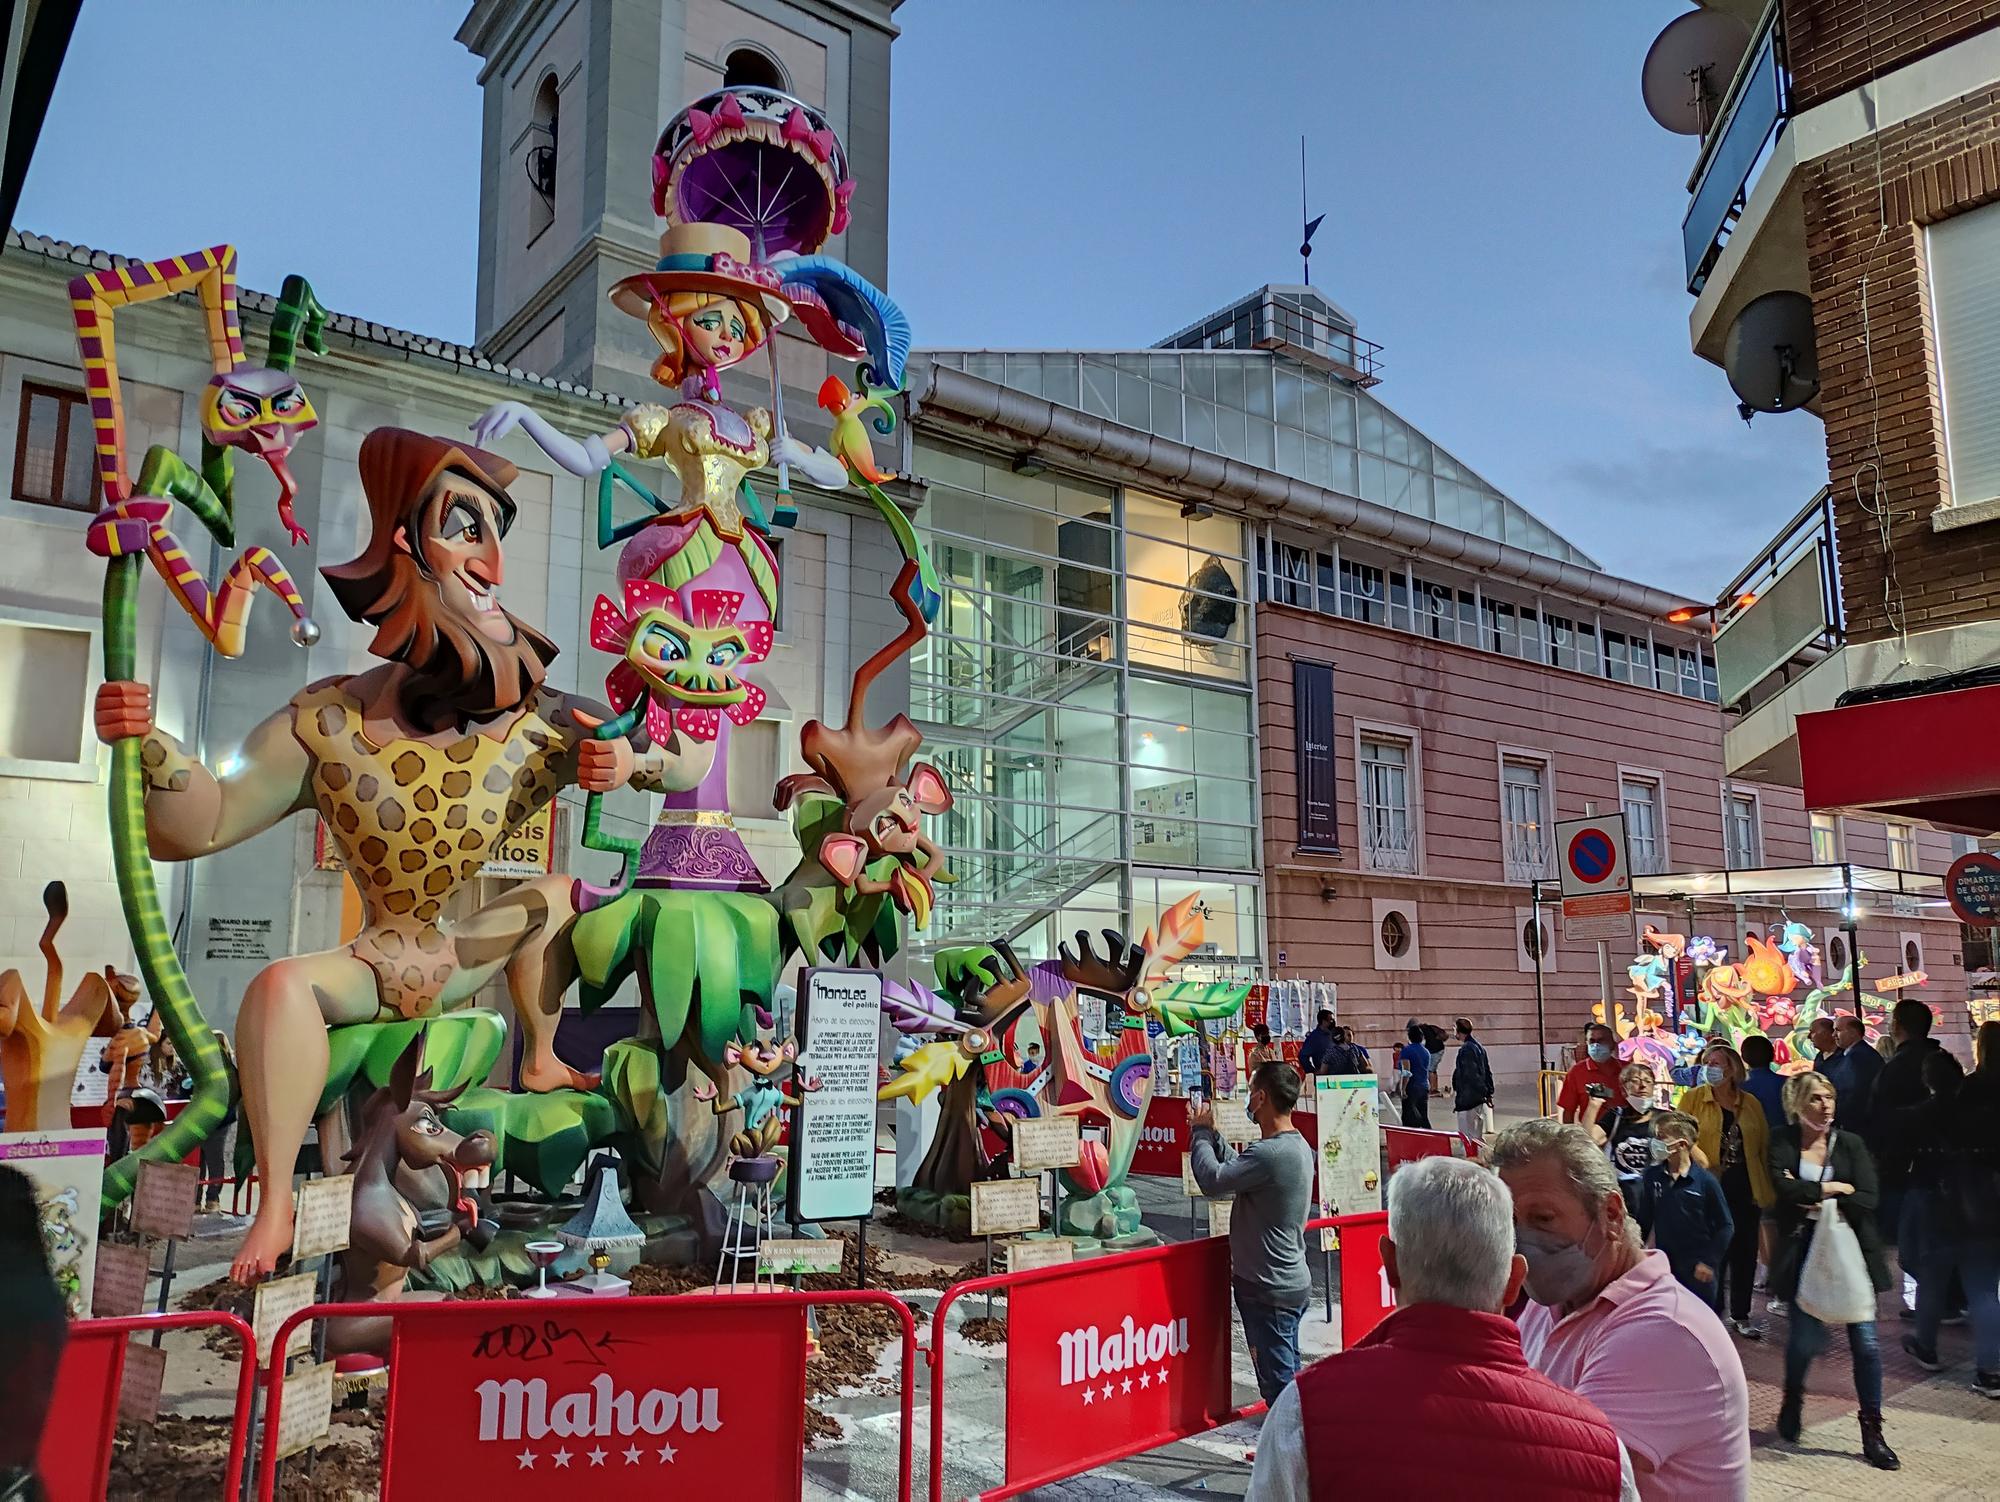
160, 966
585, 895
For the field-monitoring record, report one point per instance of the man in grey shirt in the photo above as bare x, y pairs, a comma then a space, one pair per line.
1272, 1182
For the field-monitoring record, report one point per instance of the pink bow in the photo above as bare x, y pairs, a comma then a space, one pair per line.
704, 125
799, 128
842, 192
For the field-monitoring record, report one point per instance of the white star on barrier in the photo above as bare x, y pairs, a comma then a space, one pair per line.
1128, 1384
667, 1454
632, 1455
1163, 1374
1089, 1396
597, 1457
1107, 1389
1145, 1379
527, 1459
561, 1459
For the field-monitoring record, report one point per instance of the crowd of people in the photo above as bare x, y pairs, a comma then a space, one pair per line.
1568, 1304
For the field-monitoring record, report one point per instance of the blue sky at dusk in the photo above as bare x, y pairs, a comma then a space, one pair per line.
1502, 215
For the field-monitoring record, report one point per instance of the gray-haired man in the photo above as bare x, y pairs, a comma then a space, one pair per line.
1447, 1351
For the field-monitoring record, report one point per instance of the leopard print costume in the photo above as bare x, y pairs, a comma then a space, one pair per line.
414, 822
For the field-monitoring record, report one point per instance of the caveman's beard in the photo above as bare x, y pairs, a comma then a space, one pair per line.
458, 675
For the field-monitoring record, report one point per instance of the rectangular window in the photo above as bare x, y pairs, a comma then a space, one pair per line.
1388, 811
1742, 840
1964, 256
1587, 660
1617, 657
1524, 816
1560, 633
1825, 839
1666, 669
44, 696
1468, 619
1292, 584
1329, 585
1902, 847
1363, 596
1645, 830
1690, 673
1533, 648
1501, 634
1399, 599
54, 449
1437, 614
1709, 688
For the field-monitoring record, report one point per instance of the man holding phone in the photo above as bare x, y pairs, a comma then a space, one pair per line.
1272, 1182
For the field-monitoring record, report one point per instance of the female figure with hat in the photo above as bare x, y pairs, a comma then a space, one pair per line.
709, 307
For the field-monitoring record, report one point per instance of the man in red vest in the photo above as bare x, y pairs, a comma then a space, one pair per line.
1448, 1363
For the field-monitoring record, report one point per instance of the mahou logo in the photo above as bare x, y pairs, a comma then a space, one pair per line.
1159, 1136
518, 1409
1089, 1353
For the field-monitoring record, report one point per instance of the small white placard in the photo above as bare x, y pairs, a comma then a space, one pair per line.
163, 1199
1047, 1142
1041, 1252
139, 1388
119, 1289
308, 1409
325, 1208
1188, 1184
1003, 1205
778, 1257
277, 1300
1235, 1125
1218, 1217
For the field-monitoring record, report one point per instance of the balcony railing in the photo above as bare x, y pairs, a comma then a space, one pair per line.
1782, 613
1753, 113
1389, 841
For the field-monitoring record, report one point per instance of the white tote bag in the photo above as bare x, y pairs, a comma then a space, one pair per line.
1834, 1286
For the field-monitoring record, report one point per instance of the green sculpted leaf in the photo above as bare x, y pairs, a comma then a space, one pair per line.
542, 1138
460, 1048
715, 951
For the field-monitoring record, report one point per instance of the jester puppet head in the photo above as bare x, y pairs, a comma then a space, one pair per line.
262, 409
681, 661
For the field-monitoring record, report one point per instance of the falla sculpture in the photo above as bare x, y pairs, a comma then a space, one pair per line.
422, 763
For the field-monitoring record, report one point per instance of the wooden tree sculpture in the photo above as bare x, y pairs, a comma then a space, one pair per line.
39, 1050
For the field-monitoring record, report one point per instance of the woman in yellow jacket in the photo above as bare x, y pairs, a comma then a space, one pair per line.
1734, 1140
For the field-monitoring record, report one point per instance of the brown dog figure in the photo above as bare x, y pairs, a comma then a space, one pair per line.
413, 1183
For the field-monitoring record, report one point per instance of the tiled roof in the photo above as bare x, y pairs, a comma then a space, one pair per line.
463, 356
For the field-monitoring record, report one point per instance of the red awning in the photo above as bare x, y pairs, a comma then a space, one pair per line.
1934, 758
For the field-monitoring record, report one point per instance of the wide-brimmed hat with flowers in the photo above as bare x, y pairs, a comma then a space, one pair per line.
703, 258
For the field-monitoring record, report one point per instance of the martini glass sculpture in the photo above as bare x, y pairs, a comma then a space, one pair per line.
543, 1254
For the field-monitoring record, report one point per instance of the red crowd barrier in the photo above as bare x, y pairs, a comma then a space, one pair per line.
1365, 1296
75, 1454
1161, 1315
633, 1397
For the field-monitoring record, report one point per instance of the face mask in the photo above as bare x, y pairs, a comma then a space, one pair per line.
1640, 1102
1600, 1053
1713, 1074
1558, 1271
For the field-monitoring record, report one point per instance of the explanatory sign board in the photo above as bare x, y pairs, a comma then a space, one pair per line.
1595, 877
833, 1139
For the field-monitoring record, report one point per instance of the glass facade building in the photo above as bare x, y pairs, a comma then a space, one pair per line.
1093, 655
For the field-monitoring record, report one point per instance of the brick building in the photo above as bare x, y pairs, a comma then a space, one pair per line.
1854, 160
1139, 550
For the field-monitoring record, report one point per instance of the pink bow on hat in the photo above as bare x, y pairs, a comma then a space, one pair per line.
704, 125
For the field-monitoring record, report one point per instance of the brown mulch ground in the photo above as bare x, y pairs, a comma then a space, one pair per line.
985, 1332
181, 1460
819, 1428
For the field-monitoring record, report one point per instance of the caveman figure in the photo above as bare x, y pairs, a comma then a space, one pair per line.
419, 767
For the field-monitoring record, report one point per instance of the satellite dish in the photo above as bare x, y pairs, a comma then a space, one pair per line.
1770, 355
1689, 66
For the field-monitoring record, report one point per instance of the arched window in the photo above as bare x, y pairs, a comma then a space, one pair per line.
753, 68
541, 158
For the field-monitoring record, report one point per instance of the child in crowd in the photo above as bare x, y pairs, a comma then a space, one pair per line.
1681, 1208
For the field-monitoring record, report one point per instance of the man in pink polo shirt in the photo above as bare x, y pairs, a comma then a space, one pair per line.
1608, 1321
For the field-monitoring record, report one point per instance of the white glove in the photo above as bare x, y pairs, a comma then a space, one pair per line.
817, 465
497, 421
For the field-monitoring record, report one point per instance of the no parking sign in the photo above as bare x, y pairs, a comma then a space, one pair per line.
1596, 881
